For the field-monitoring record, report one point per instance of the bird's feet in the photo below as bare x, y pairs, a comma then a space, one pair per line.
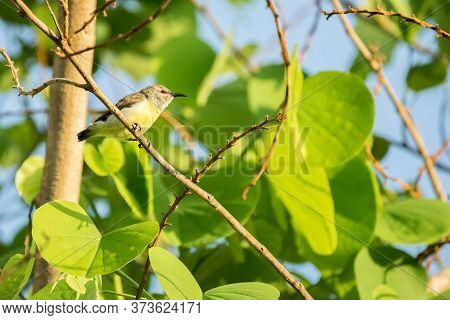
136, 127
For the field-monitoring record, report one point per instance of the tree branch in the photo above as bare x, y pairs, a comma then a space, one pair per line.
55, 20
127, 35
94, 14
406, 187
65, 9
283, 107
196, 179
401, 109
34, 91
93, 87
380, 12
311, 33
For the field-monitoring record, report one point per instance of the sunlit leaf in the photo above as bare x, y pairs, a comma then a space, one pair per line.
339, 111
304, 192
68, 239
14, 276
414, 221
243, 291
390, 267
28, 178
176, 280
196, 222
108, 159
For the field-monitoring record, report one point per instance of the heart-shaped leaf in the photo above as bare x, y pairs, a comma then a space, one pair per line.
69, 240
109, 157
176, 280
243, 291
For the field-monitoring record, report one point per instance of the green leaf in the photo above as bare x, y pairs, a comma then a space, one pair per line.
391, 267
186, 57
217, 68
176, 280
339, 110
305, 193
414, 221
266, 90
68, 239
108, 159
14, 276
226, 112
384, 292
355, 215
428, 75
28, 178
196, 222
59, 290
135, 182
309, 202
128, 196
18, 142
380, 147
243, 291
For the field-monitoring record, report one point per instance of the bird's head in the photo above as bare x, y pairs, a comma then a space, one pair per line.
160, 96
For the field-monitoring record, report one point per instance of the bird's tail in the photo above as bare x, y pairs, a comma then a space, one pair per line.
84, 134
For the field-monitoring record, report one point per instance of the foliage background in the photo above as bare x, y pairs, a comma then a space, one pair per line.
155, 54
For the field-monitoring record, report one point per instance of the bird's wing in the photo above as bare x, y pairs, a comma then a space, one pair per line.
125, 102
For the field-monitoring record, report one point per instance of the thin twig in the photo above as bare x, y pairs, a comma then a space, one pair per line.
34, 91
181, 129
284, 104
232, 221
198, 174
65, 9
94, 14
434, 158
311, 33
406, 187
27, 240
381, 12
127, 35
55, 20
402, 110
251, 67
433, 249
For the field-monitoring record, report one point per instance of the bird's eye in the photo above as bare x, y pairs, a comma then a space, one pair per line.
163, 91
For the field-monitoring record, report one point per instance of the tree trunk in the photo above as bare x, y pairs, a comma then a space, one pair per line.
67, 116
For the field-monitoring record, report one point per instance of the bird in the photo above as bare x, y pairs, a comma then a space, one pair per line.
142, 108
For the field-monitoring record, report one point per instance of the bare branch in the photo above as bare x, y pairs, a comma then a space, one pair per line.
94, 89
186, 191
434, 158
380, 12
127, 35
311, 33
34, 91
182, 131
65, 9
406, 187
402, 110
283, 107
55, 20
101, 9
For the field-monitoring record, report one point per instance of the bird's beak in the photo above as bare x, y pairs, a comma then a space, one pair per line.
178, 95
